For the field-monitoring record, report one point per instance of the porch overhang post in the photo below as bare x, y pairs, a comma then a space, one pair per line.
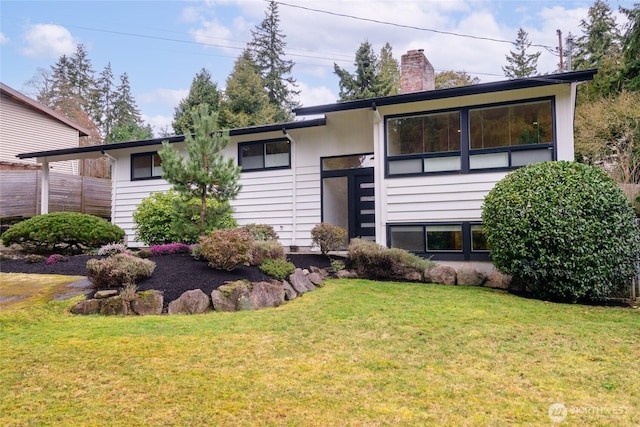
44, 187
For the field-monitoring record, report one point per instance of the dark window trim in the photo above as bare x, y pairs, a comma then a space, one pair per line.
465, 151
145, 154
465, 255
263, 142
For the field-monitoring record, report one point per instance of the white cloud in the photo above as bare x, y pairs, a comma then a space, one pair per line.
158, 123
318, 95
168, 97
48, 40
3, 39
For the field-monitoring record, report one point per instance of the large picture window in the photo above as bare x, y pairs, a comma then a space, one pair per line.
503, 136
273, 154
146, 166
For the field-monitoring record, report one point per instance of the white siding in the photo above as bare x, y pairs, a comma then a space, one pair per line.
23, 129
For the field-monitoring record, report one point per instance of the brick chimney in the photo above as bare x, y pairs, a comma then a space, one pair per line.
417, 72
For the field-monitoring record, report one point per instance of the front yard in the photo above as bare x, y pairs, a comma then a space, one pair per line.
355, 352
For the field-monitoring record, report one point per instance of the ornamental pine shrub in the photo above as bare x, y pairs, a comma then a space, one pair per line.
279, 268
118, 270
373, 261
62, 232
167, 218
227, 249
328, 237
565, 229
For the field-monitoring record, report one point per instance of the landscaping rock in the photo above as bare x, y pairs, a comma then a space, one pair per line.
289, 292
497, 280
114, 306
300, 282
108, 293
316, 279
86, 307
147, 302
469, 276
321, 271
346, 274
442, 274
228, 296
190, 302
265, 294
413, 276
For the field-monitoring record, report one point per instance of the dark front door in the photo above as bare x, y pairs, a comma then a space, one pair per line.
364, 216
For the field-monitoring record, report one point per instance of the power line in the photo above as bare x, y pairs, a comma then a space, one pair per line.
411, 27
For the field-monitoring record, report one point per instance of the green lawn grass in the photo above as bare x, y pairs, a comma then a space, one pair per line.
353, 353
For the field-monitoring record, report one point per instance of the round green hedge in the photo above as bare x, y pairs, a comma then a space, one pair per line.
66, 232
566, 229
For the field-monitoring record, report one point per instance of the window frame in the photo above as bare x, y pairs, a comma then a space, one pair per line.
150, 154
264, 144
466, 152
465, 254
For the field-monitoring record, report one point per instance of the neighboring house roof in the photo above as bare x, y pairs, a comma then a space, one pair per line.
101, 149
525, 83
34, 105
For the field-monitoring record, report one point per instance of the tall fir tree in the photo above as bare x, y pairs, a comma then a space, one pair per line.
631, 50
521, 63
202, 91
267, 48
105, 99
245, 101
204, 173
366, 81
128, 124
389, 71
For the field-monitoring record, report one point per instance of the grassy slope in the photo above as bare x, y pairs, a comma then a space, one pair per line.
352, 353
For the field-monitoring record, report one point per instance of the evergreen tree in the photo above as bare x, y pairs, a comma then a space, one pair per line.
631, 50
203, 173
267, 50
389, 71
202, 91
447, 79
128, 124
600, 39
105, 99
521, 64
246, 101
366, 81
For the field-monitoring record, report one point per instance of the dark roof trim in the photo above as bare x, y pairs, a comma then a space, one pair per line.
551, 79
34, 105
171, 139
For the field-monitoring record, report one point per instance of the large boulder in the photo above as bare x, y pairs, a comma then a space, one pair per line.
147, 302
289, 292
316, 278
442, 274
190, 302
469, 276
228, 296
346, 274
88, 306
300, 282
265, 294
113, 306
497, 280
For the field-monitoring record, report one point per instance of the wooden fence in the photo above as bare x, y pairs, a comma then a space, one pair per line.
632, 190
20, 194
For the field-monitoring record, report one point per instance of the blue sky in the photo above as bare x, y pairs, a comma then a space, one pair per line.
163, 44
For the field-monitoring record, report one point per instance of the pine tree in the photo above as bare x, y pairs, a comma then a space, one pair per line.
521, 64
631, 50
365, 82
267, 51
600, 39
105, 99
389, 71
204, 173
202, 90
128, 124
246, 101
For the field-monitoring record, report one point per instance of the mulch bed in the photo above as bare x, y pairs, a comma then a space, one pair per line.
173, 275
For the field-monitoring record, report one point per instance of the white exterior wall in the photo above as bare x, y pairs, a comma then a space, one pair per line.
23, 129
456, 197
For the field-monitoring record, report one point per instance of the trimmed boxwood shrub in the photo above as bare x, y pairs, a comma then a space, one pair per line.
565, 229
63, 232
328, 237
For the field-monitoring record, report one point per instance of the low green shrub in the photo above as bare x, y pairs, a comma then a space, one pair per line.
144, 253
328, 237
62, 232
373, 261
196, 251
166, 217
266, 249
226, 249
279, 268
118, 270
564, 229
261, 232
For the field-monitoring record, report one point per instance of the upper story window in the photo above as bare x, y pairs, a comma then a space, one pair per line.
146, 166
471, 138
271, 154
